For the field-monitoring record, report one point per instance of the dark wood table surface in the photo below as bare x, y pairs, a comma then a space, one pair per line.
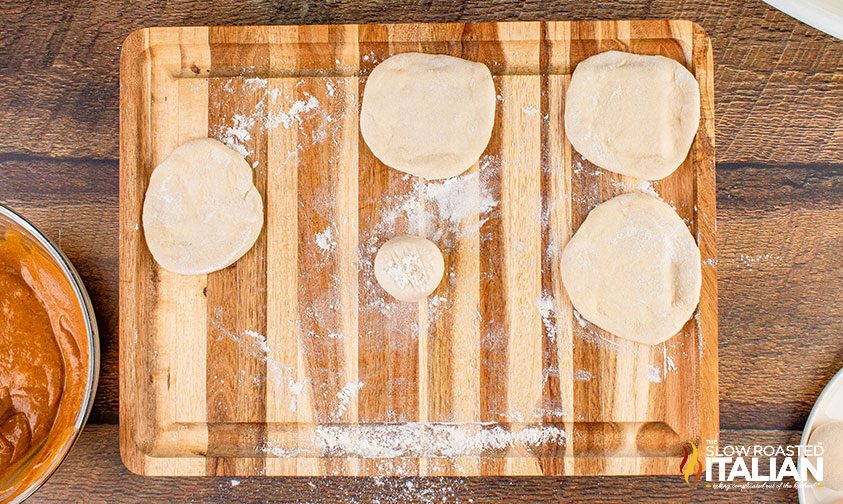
779, 118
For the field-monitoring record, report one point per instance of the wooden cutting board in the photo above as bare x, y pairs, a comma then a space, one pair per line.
294, 362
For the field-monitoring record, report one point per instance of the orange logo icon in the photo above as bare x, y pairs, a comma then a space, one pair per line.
690, 465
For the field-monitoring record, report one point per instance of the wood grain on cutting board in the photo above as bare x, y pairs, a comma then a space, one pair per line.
238, 372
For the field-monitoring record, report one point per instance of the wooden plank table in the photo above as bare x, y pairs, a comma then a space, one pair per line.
779, 104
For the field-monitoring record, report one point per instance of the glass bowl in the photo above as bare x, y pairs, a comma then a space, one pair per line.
30, 473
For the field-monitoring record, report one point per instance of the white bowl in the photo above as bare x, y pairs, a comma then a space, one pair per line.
824, 15
827, 408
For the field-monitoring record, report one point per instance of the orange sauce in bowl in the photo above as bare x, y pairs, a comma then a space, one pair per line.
44, 361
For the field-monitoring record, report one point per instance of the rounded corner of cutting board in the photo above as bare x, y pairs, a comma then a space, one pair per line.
130, 454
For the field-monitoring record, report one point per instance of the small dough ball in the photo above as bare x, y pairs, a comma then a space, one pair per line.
633, 269
631, 114
409, 267
202, 212
830, 435
428, 115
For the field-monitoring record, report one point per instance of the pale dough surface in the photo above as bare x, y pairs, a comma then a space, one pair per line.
632, 114
831, 437
633, 269
202, 212
429, 115
409, 267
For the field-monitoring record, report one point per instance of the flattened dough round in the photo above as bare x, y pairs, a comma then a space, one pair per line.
633, 269
830, 435
202, 212
409, 267
632, 114
429, 115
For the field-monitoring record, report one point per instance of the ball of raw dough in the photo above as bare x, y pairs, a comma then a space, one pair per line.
830, 435
631, 114
633, 269
409, 267
202, 212
429, 115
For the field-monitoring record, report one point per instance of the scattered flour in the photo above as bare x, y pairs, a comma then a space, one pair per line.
582, 375
591, 334
259, 340
456, 200
642, 186
293, 115
450, 202
654, 374
348, 392
670, 364
436, 305
550, 371
646, 187
325, 240
700, 336
253, 342
278, 451
547, 309
459, 206
256, 83
236, 135
279, 108
296, 388
580, 169
428, 439
453, 204
547, 412
580, 320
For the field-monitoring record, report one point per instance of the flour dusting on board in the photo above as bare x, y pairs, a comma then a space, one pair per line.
654, 374
283, 122
279, 106
646, 187
443, 206
583, 375
429, 439
449, 212
236, 135
252, 342
278, 451
348, 392
547, 308
296, 388
293, 115
590, 333
415, 439
325, 240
